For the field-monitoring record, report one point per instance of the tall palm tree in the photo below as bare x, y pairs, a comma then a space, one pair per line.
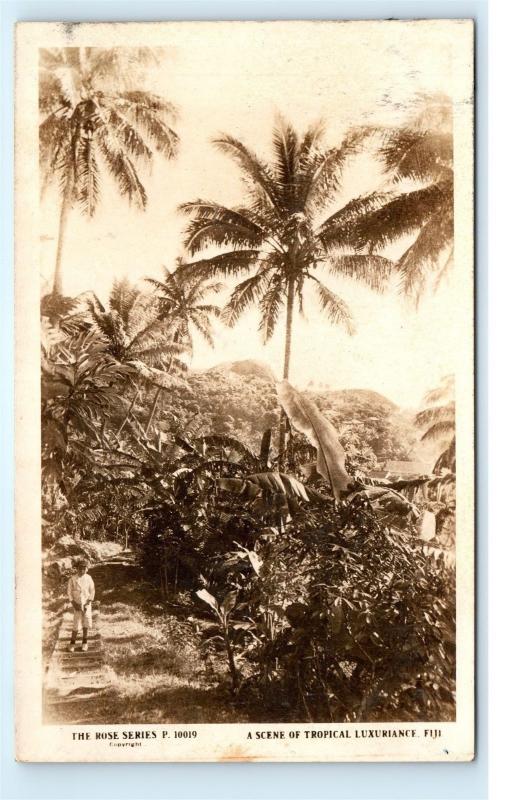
439, 421
137, 336
93, 120
418, 162
180, 300
280, 234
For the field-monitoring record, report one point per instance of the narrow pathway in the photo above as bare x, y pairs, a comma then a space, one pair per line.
74, 676
71, 676
144, 665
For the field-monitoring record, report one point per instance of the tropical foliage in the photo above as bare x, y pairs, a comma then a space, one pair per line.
94, 121
328, 594
280, 234
418, 161
438, 420
310, 599
181, 300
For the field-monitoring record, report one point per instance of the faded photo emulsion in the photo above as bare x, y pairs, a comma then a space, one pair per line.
244, 304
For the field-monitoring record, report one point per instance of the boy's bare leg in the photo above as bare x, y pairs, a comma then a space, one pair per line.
85, 633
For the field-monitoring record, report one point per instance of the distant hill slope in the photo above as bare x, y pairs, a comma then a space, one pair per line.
354, 395
247, 368
239, 399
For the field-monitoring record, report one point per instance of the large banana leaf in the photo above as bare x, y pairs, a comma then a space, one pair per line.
306, 417
253, 486
267, 492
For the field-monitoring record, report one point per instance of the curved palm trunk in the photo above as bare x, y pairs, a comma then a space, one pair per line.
64, 216
287, 360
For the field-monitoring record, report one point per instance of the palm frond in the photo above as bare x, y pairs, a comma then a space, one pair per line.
438, 430
87, 176
309, 145
443, 392
418, 155
375, 271
155, 352
233, 263
213, 224
403, 215
146, 111
157, 377
128, 136
122, 298
285, 151
122, 169
271, 305
255, 170
425, 253
334, 306
202, 323
154, 102
154, 332
447, 459
108, 326
340, 229
54, 149
443, 271
199, 290
179, 299
429, 416
245, 294
52, 130
326, 178
208, 309
118, 65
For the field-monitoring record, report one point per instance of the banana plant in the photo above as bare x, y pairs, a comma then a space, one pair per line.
222, 612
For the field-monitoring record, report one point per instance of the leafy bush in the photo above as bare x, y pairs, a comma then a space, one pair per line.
344, 620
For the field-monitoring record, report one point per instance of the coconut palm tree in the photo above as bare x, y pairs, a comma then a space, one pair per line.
418, 163
92, 120
180, 300
137, 336
439, 421
280, 235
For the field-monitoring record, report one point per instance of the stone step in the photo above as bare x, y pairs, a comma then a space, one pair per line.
89, 667
94, 652
72, 697
93, 642
92, 663
74, 676
66, 655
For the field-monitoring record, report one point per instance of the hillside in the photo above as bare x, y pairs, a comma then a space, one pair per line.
247, 368
239, 399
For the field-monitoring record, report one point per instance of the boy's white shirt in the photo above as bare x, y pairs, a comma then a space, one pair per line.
80, 588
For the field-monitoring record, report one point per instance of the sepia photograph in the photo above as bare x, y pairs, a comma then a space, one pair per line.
254, 292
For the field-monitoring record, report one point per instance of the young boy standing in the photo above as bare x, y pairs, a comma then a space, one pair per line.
81, 590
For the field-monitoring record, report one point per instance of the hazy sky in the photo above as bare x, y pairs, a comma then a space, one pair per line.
234, 80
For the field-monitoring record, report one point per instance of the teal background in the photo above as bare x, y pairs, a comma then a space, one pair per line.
230, 781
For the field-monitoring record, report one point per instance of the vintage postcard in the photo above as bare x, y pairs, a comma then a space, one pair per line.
245, 391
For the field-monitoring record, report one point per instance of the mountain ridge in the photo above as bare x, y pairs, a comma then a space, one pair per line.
249, 368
